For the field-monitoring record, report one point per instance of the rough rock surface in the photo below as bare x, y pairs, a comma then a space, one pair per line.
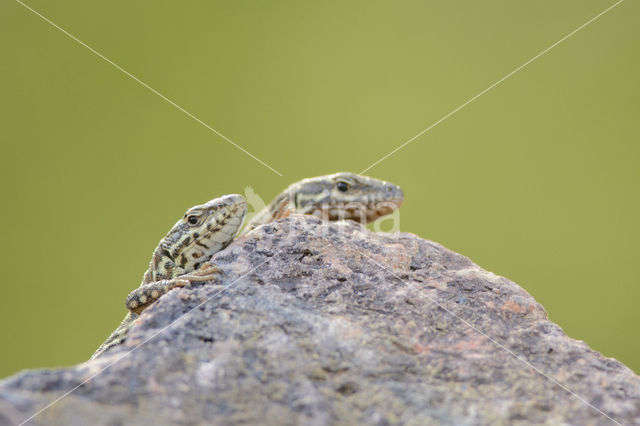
317, 323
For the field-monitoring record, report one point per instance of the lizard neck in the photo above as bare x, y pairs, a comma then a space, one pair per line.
161, 267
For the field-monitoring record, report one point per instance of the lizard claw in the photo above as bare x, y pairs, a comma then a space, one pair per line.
206, 272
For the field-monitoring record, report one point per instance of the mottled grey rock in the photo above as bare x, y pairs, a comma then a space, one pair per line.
316, 323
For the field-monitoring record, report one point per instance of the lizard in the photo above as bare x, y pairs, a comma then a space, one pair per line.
182, 257
333, 197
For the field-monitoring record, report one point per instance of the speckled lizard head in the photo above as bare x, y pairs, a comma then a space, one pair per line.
344, 196
333, 197
202, 231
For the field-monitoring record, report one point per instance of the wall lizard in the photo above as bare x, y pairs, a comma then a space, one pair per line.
176, 262
333, 197
180, 257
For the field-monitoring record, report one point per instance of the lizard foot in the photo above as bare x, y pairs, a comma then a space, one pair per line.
207, 272
140, 298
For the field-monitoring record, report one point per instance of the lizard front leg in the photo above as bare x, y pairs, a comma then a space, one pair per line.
140, 298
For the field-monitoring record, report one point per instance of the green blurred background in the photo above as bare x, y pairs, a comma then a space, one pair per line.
537, 180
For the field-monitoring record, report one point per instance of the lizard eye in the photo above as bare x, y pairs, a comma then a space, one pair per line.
342, 186
192, 220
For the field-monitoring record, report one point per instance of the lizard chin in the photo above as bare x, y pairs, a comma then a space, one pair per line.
356, 212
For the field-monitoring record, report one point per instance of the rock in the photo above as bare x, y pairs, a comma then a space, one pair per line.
317, 323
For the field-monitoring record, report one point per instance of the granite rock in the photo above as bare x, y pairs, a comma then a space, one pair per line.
328, 323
